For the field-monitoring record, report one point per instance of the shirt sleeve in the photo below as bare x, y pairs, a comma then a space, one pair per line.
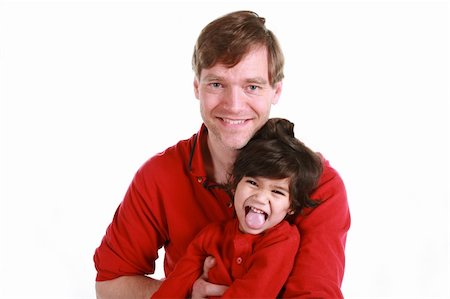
272, 261
178, 284
130, 245
319, 267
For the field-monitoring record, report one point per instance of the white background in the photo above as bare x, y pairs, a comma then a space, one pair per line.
91, 89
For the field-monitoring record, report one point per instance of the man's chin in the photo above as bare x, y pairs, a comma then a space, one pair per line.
233, 139
236, 144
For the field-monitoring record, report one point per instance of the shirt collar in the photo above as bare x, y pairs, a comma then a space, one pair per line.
196, 162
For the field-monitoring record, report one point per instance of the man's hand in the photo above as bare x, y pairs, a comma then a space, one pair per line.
202, 288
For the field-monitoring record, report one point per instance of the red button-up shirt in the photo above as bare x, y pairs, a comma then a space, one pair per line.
254, 266
170, 200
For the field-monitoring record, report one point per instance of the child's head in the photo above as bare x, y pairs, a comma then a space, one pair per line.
273, 176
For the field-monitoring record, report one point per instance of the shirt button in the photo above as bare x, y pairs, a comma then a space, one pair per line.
239, 260
199, 179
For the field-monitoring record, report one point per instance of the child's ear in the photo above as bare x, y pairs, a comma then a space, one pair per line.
291, 212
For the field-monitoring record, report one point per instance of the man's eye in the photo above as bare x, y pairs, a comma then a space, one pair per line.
253, 87
215, 85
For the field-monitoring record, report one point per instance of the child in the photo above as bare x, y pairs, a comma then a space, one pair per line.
254, 252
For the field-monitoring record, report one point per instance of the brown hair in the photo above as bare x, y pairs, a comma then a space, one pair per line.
274, 152
228, 38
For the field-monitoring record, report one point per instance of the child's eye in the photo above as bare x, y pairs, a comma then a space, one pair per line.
251, 182
279, 192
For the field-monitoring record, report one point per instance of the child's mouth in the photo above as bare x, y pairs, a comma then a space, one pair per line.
255, 218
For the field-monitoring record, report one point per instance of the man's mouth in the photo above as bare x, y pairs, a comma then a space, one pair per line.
233, 121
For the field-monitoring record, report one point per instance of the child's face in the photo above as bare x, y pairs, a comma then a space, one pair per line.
261, 203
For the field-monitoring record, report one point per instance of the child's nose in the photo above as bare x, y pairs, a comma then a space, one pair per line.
262, 196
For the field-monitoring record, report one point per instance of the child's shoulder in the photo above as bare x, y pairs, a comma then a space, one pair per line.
218, 227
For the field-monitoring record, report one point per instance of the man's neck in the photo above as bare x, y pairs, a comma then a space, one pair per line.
218, 160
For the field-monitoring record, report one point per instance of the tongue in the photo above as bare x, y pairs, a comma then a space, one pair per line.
255, 220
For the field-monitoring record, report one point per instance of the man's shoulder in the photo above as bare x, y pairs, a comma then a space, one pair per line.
330, 181
333, 208
171, 156
328, 171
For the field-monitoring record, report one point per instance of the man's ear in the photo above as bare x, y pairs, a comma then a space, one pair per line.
196, 84
278, 87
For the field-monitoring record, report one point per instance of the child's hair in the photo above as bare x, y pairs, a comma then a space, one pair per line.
275, 153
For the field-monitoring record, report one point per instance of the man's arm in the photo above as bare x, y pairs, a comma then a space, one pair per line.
130, 246
319, 266
126, 287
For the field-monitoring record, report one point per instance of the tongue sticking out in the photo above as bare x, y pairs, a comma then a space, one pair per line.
255, 219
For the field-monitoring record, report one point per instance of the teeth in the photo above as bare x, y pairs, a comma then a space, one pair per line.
234, 122
257, 211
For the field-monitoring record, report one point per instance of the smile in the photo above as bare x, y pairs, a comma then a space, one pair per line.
233, 121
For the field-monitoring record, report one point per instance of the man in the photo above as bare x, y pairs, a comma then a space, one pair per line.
238, 67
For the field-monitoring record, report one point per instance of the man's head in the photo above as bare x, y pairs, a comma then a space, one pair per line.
239, 71
227, 39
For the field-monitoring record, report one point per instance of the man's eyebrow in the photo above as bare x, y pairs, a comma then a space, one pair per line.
258, 80
211, 77
255, 80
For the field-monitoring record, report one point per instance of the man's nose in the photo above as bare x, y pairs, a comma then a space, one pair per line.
233, 98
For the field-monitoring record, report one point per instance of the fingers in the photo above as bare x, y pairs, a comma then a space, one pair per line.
204, 289
207, 265
214, 289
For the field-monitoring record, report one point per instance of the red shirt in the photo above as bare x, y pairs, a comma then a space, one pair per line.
254, 266
170, 200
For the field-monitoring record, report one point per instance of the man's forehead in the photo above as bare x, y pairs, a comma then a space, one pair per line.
254, 64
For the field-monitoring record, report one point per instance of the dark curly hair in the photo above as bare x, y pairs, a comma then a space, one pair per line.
274, 152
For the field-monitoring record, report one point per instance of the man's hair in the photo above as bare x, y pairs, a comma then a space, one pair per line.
227, 39
275, 153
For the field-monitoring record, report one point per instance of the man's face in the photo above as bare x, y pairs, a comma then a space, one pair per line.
235, 102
